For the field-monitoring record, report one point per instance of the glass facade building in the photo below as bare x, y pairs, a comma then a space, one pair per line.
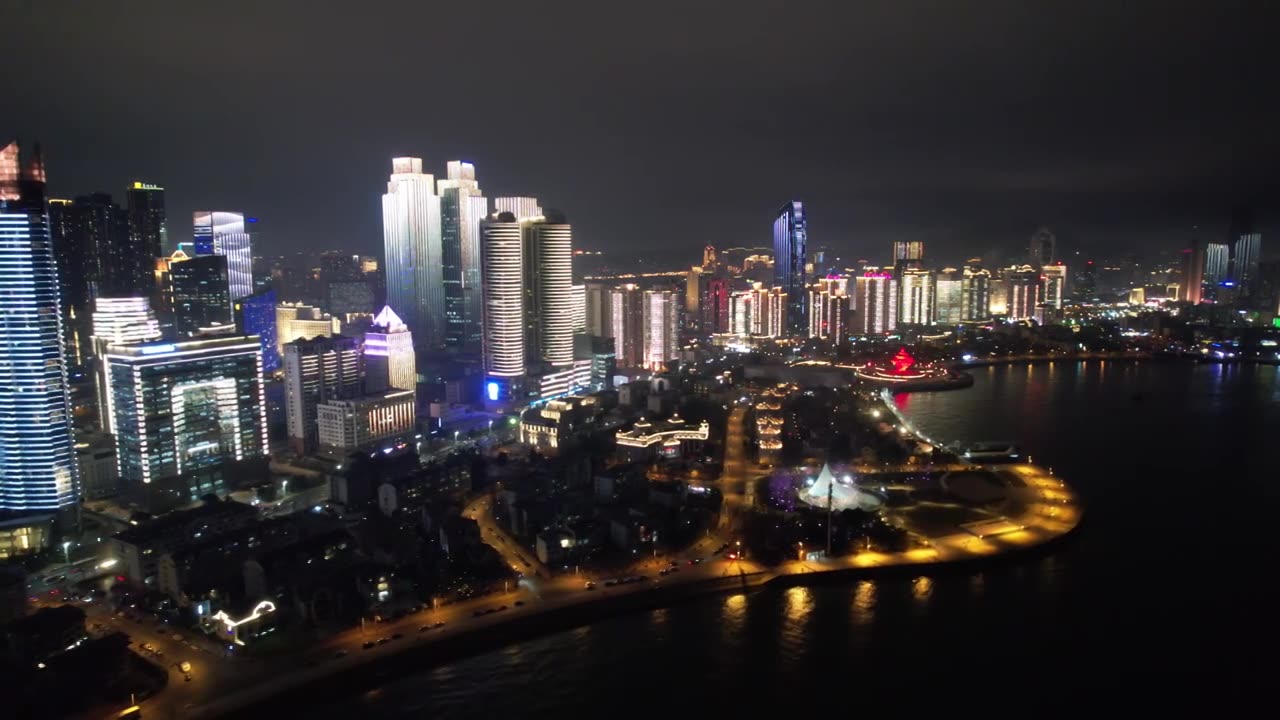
790, 237
223, 233
462, 207
185, 410
38, 470
412, 243
200, 292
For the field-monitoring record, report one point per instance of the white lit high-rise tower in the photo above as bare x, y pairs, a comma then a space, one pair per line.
412, 242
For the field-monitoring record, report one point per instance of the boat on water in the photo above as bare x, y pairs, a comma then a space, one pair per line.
993, 451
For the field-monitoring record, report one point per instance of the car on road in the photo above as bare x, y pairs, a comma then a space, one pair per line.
424, 628
368, 644
383, 640
397, 636
340, 654
663, 572
478, 612
590, 585
436, 626
184, 666
519, 603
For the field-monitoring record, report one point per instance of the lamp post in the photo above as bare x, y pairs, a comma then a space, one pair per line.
66, 551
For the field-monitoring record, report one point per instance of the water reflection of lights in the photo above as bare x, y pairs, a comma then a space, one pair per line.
921, 588
864, 602
799, 604
733, 616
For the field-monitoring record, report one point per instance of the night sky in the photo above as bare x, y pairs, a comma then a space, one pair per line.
665, 126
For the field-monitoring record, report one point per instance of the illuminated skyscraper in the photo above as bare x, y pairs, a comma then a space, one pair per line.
38, 470
411, 233
661, 327
1025, 292
740, 312
949, 297
715, 305
462, 207
626, 305
709, 258
876, 303
1246, 251
184, 412
520, 207
256, 315
1193, 259
907, 255
916, 296
598, 317
548, 285
118, 321
91, 245
1055, 284
201, 299
975, 294
829, 309
223, 233
148, 236
1216, 263
389, 359
296, 321
579, 308
502, 266
316, 371
790, 237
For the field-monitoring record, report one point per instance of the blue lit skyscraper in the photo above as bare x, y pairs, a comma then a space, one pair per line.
790, 235
38, 470
223, 233
256, 315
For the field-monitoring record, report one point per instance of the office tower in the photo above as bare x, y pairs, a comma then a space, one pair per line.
295, 321
183, 413
148, 237
1055, 284
661, 328
390, 362
604, 360
548, 286
520, 207
1217, 257
948, 306
256, 315
118, 321
829, 309
740, 312
316, 371
790, 236
693, 298
916, 296
709, 258
462, 207
336, 265
773, 307
502, 267
598, 318
1193, 260
876, 303
1025, 290
1041, 248
224, 234
201, 299
715, 305
38, 469
362, 423
975, 294
579, 308
907, 255
626, 304
1246, 248
91, 246
411, 238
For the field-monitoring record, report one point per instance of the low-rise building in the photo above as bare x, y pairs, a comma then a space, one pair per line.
138, 549
366, 422
546, 427
670, 438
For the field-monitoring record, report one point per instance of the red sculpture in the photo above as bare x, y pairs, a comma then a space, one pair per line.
902, 362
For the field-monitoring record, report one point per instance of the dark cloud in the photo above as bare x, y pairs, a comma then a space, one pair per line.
669, 125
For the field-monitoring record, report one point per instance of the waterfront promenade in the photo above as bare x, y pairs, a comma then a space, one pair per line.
1047, 509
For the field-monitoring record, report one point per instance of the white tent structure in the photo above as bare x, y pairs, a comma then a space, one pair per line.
842, 496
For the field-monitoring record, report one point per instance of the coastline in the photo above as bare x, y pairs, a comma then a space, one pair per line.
1044, 526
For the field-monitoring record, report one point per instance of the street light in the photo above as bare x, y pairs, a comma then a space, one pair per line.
66, 551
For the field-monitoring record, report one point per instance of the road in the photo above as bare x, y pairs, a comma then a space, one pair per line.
520, 558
